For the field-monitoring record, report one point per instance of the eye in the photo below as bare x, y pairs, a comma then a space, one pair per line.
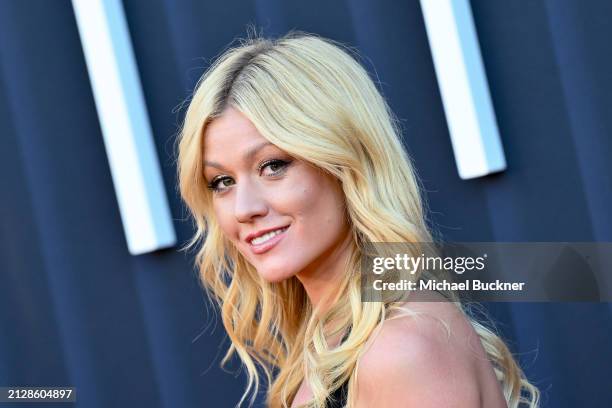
220, 184
273, 167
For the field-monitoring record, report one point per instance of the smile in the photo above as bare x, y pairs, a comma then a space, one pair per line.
268, 240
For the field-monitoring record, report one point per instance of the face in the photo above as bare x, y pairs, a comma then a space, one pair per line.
283, 215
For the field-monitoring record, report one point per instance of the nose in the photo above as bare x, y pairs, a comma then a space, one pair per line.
250, 202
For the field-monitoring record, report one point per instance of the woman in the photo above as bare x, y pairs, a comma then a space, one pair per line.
290, 163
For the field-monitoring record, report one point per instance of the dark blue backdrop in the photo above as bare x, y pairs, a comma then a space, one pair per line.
76, 309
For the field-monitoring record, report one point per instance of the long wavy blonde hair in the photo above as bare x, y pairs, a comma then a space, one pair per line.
310, 97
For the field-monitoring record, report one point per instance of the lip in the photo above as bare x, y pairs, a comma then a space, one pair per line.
269, 244
259, 233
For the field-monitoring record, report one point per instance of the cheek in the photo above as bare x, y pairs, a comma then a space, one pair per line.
225, 220
319, 210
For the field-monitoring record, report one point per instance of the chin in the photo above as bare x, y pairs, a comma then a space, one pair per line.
274, 273
273, 276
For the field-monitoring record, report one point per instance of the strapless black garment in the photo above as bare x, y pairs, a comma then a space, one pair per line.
339, 396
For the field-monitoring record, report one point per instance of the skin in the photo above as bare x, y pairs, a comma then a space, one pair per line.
416, 362
255, 194
411, 362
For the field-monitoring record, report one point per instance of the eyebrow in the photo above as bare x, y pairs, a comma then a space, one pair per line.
247, 155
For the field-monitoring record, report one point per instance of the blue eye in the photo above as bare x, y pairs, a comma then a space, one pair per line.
219, 184
276, 167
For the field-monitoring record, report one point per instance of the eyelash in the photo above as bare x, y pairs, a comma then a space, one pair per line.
214, 184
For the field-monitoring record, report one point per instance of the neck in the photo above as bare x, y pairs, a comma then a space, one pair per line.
322, 278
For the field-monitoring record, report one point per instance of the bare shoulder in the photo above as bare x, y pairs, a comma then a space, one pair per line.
429, 356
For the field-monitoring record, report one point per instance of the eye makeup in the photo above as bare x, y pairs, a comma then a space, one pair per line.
267, 168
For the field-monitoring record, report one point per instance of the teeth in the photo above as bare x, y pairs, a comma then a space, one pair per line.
267, 236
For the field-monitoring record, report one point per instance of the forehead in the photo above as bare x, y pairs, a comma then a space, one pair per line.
229, 133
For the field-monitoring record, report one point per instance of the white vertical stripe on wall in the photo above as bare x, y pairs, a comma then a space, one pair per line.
463, 86
128, 138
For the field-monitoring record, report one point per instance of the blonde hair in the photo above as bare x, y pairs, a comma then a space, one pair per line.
311, 98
